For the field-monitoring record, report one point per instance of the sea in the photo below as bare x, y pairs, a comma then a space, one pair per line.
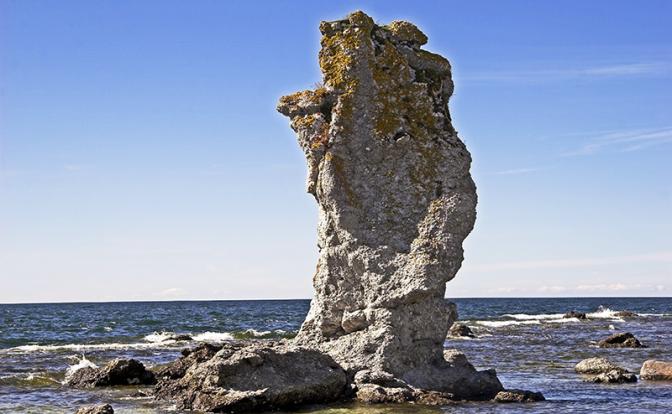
527, 341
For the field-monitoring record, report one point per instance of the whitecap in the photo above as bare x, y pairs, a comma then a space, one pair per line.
499, 324
213, 337
602, 313
160, 337
563, 320
82, 363
526, 317
80, 347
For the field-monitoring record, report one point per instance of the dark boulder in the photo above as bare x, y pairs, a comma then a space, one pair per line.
620, 340
575, 314
614, 377
116, 372
518, 396
461, 330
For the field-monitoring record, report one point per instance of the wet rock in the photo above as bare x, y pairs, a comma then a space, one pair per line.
116, 372
395, 199
518, 396
616, 376
626, 314
653, 370
256, 377
575, 314
181, 337
96, 409
596, 366
461, 330
178, 368
620, 340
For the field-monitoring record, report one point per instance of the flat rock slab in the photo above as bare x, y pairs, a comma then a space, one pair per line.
96, 409
596, 366
256, 377
116, 372
653, 370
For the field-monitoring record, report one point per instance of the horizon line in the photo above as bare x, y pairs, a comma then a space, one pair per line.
297, 299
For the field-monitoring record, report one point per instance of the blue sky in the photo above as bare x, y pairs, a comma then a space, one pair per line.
141, 156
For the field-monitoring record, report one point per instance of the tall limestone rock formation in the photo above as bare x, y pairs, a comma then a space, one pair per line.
396, 201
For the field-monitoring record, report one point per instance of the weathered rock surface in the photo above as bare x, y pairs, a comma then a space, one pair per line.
395, 199
518, 396
616, 376
596, 366
575, 314
116, 372
96, 409
620, 340
653, 370
461, 330
178, 368
254, 377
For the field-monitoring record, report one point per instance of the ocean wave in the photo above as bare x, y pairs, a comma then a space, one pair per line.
81, 363
563, 320
542, 316
500, 324
81, 347
602, 312
39, 379
213, 337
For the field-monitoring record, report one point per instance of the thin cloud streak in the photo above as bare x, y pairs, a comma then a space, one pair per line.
597, 72
624, 141
517, 171
655, 257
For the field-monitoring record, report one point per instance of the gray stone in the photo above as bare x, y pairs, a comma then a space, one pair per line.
518, 396
596, 366
255, 377
395, 200
96, 409
620, 340
575, 314
178, 368
116, 372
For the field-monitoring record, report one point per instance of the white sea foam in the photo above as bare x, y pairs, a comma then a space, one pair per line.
213, 337
160, 337
500, 324
526, 317
612, 328
82, 363
81, 347
563, 320
602, 313
108, 329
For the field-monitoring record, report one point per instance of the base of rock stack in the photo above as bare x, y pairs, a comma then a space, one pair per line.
257, 376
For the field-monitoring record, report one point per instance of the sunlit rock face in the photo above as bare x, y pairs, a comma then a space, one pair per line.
396, 201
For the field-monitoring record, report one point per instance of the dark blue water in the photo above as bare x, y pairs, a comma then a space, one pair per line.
526, 340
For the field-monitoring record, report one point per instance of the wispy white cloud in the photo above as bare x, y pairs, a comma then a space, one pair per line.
171, 293
654, 257
624, 141
517, 171
559, 74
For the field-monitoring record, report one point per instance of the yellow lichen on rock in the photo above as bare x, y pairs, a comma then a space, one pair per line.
407, 32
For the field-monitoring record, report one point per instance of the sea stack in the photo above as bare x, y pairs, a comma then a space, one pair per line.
396, 200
